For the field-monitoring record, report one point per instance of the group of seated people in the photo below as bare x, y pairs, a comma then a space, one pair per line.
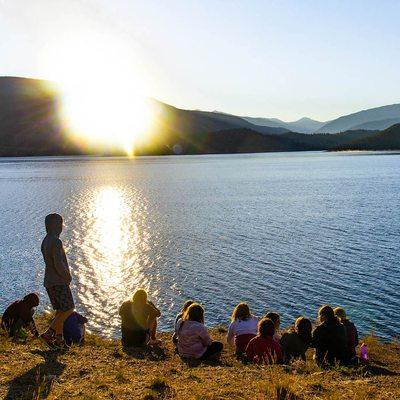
17, 321
255, 340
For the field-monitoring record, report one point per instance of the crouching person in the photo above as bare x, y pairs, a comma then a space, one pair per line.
194, 340
75, 329
263, 349
18, 317
139, 320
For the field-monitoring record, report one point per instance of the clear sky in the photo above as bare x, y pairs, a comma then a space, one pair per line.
284, 59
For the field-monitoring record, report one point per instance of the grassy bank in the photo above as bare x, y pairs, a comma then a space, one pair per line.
102, 370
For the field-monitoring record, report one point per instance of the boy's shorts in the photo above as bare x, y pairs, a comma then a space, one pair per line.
61, 297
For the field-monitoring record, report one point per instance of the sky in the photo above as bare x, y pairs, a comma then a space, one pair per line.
285, 59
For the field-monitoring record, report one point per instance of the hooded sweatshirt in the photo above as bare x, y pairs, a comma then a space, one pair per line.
57, 270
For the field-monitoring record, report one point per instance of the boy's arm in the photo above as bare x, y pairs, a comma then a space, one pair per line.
61, 263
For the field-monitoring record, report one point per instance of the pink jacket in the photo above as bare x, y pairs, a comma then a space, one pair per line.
193, 339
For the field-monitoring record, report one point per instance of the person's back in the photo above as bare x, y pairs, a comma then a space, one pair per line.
138, 320
19, 315
193, 339
296, 341
329, 339
74, 329
133, 333
352, 338
56, 264
351, 333
293, 346
263, 349
242, 329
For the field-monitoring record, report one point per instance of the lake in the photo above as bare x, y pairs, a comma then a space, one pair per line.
283, 231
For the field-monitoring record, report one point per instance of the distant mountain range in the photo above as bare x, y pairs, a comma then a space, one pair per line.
303, 125
373, 118
30, 124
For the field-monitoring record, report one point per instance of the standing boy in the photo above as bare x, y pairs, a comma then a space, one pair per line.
57, 278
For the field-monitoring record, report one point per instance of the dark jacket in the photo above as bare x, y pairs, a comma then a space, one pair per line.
330, 342
352, 338
134, 323
293, 346
21, 311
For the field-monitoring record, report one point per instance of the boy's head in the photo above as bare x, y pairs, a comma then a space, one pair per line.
32, 299
266, 328
54, 224
276, 319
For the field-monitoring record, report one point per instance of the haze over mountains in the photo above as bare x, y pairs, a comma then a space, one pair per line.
30, 124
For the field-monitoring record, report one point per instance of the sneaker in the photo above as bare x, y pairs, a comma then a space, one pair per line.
48, 338
59, 342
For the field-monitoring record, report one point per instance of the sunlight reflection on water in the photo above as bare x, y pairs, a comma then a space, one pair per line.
109, 266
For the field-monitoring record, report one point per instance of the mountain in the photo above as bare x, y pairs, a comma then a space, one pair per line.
388, 139
30, 122
303, 125
358, 119
29, 119
378, 125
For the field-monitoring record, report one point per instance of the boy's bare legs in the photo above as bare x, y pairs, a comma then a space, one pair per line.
58, 322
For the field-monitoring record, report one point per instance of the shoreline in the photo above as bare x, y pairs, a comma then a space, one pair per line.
101, 368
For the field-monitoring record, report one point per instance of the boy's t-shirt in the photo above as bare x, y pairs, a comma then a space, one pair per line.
56, 264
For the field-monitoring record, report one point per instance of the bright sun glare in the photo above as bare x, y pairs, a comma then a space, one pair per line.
102, 94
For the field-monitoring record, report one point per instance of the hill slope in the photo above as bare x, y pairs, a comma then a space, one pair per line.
389, 139
355, 120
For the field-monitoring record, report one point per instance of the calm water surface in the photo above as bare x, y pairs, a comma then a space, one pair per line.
284, 231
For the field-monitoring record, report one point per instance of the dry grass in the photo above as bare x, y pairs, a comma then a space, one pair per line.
102, 370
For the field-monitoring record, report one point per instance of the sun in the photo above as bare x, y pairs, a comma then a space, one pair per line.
102, 93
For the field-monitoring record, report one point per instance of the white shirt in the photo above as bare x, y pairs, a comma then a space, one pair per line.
242, 327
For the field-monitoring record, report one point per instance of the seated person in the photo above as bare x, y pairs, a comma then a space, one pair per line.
329, 339
296, 341
19, 316
276, 319
242, 329
139, 320
263, 349
74, 329
186, 305
351, 334
194, 340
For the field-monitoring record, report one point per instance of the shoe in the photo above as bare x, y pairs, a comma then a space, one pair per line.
59, 342
48, 338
